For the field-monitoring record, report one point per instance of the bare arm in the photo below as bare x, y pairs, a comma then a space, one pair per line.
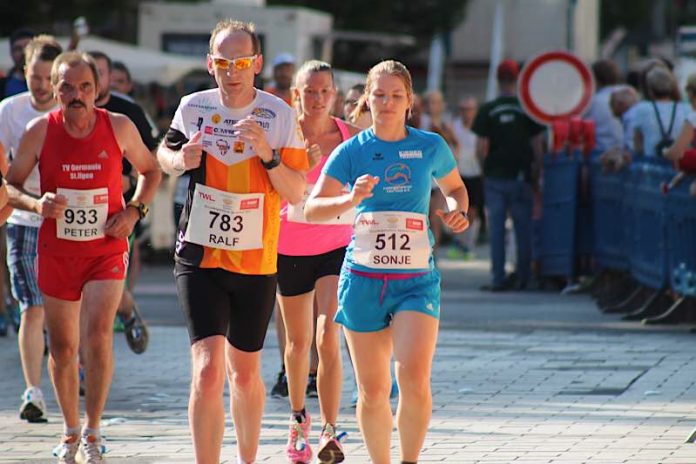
25, 159
676, 151
482, 146
638, 141
457, 198
288, 182
327, 199
149, 175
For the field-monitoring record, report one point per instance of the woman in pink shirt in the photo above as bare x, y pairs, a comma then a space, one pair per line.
310, 257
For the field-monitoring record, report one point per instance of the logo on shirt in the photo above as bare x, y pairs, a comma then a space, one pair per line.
223, 146
102, 155
398, 178
216, 118
263, 113
377, 157
410, 154
208, 130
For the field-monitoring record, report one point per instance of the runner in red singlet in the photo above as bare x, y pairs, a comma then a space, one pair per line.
82, 246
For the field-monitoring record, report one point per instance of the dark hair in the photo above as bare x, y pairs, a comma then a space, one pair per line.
313, 66
606, 73
121, 66
358, 87
97, 55
21, 33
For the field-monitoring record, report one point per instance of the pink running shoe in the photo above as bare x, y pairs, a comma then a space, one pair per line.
298, 450
330, 449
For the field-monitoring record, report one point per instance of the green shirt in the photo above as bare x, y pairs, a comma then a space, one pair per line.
509, 132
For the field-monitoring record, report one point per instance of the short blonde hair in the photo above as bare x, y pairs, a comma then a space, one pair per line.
72, 59
233, 25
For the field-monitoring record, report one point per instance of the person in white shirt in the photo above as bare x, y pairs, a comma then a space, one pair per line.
23, 226
469, 170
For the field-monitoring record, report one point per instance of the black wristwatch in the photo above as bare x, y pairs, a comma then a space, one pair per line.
274, 162
141, 207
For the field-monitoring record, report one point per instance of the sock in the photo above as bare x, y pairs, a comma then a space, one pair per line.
241, 461
87, 431
68, 431
300, 416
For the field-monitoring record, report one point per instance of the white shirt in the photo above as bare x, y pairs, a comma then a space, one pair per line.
15, 113
467, 162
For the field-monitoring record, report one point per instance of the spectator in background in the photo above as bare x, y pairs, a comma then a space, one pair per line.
510, 145
432, 121
15, 81
416, 115
657, 121
469, 170
691, 90
622, 100
121, 78
359, 117
337, 111
283, 73
608, 129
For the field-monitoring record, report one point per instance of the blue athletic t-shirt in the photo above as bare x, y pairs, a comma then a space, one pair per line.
405, 169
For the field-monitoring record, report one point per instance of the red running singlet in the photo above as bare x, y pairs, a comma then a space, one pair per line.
85, 164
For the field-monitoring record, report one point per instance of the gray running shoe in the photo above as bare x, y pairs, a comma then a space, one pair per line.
67, 449
136, 332
92, 449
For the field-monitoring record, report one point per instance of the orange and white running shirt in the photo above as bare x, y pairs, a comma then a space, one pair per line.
231, 216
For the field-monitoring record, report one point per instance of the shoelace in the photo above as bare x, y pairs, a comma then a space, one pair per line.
66, 450
298, 437
92, 449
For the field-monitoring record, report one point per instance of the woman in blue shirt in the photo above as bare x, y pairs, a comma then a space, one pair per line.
389, 290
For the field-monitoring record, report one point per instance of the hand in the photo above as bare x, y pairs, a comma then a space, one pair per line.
363, 188
315, 154
189, 157
249, 131
121, 225
51, 205
455, 220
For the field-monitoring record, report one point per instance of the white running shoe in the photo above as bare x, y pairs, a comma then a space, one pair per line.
92, 449
67, 449
33, 407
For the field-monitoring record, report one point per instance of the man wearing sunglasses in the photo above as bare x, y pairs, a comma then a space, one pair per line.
243, 151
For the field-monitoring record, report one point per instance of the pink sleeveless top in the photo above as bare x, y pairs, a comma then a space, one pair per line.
302, 239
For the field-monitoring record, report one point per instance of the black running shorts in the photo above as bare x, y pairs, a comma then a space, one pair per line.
297, 275
219, 302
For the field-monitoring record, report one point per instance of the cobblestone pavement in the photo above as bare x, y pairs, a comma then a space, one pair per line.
520, 395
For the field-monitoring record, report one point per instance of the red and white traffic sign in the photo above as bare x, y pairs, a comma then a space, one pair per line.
555, 85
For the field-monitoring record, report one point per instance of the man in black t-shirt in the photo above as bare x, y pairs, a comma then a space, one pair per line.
510, 146
134, 326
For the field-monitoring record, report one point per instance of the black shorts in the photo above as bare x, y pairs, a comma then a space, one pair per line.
219, 302
298, 274
474, 187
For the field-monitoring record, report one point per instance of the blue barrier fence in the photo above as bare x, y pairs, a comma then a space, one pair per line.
628, 223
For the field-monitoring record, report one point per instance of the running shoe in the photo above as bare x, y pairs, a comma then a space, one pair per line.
92, 449
3, 325
280, 389
136, 332
119, 326
298, 450
33, 409
312, 386
330, 449
67, 449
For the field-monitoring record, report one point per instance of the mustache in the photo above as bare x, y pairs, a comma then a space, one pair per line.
77, 104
